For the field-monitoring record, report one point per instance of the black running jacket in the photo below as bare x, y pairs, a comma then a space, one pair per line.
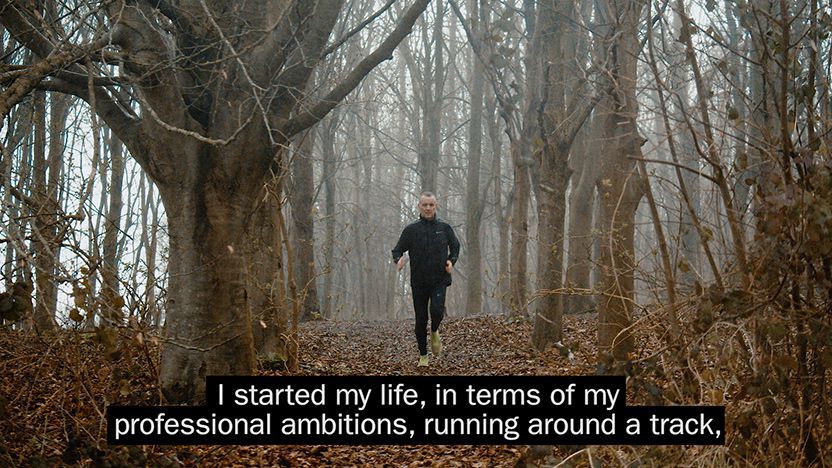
431, 242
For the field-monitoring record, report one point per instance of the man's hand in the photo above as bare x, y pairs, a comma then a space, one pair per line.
448, 266
400, 264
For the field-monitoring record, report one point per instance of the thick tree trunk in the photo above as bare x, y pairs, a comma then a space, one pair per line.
619, 193
615, 306
560, 119
266, 279
553, 175
551, 210
208, 327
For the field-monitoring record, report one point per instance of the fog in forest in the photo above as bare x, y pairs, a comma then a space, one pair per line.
214, 176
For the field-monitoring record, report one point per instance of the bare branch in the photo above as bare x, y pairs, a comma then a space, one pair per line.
27, 82
382, 53
335, 45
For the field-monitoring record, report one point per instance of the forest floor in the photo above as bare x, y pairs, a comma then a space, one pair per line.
53, 392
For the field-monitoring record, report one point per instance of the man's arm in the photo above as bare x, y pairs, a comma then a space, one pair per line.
453, 246
402, 246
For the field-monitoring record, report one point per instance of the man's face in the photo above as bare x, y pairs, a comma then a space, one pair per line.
427, 207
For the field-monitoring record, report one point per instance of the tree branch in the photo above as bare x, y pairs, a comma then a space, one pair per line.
181, 21
27, 81
118, 117
382, 53
335, 45
311, 39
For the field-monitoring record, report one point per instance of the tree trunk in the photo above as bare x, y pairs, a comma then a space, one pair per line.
690, 242
109, 271
581, 201
738, 110
619, 188
19, 129
553, 173
524, 160
619, 202
43, 225
208, 327
301, 197
368, 211
560, 120
357, 225
328, 177
502, 283
98, 168
266, 278
551, 209
59, 111
584, 162
519, 232
473, 213
428, 80
150, 226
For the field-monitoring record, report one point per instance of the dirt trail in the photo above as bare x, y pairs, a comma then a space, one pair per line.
471, 346
59, 420
483, 345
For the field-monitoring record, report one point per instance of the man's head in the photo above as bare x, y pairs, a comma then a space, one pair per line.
427, 205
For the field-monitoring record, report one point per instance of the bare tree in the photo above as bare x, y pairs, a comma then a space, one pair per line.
473, 204
327, 134
619, 189
428, 74
564, 109
301, 197
112, 301
44, 312
217, 84
516, 93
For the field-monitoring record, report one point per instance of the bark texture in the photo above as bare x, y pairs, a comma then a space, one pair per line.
619, 188
560, 118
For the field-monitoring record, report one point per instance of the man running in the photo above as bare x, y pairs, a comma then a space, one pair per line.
434, 249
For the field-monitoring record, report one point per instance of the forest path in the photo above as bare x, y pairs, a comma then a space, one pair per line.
482, 345
76, 381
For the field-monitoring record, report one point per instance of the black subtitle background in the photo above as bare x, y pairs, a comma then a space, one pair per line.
415, 415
